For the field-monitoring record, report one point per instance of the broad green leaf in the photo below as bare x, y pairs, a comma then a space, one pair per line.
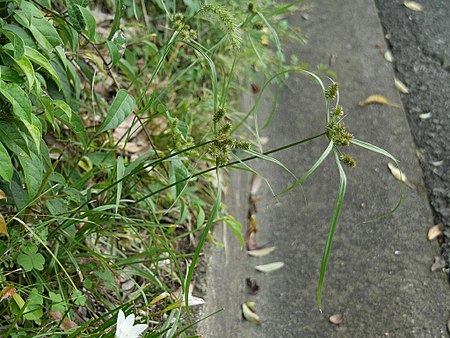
90, 22
19, 195
27, 68
33, 172
78, 298
20, 32
58, 303
64, 113
30, 258
13, 138
180, 173
122, 106
113, 52
120, 171
117, 16
62, 56
75, 16
33, 309
17, 43
20, 101
40, 60
6, 167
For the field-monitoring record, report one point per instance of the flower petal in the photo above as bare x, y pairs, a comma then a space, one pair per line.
128, 323
136, 330
120, 318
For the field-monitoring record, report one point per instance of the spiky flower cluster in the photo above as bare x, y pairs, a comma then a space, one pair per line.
338, 113
338, 134
348, 160
226, 22
184, 30
220, 148
331, 92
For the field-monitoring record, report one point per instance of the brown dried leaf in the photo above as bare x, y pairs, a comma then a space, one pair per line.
439, 263
412, 5
66, 323
252, 286
249, 314
252, 229
378, 99
2, 195
3, 229
7, 292
255, 89
434, 232
337, 319
399, 175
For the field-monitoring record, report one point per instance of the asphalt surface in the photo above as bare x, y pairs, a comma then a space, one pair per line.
420, 44
379, 272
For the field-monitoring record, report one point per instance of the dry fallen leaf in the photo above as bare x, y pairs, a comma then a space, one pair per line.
413, 6
269, 267
249, 313
336, 319
7, 292
388, 56
439, 264
434, 232
3, 229
399, 175
261, 252
378, 99
252, 229
66, 324
401, 86
252, 286
425, 116
264, 40
2, 195
255, 89
160, 297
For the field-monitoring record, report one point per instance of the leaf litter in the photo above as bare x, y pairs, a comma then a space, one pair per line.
414, 6
270, 267
399, 175
434, 232
261, 252
249, 313
378, 99
336, 319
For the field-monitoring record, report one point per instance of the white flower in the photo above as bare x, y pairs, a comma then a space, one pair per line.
125, 327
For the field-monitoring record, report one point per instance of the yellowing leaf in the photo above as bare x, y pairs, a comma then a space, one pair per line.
3, 229
261, 252
7, 292
265, 40
401, 86
413, 6
2, 195
249, 314
425, 116
160, 297
378, 99
269, 267
399, 175
434, 232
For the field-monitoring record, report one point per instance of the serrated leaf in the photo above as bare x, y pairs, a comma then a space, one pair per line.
378, 99
269, 267
122, 106
261, 252
6, 167
3, 228
40, 60
413, 6
399, 175
90, 22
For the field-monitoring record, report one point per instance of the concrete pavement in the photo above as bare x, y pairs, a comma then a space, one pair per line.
379, 273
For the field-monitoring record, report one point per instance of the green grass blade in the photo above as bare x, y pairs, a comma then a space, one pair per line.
270, 159
374, 148
333, 224
310, 170
119, 175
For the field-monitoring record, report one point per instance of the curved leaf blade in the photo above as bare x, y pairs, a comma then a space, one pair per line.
122, 106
